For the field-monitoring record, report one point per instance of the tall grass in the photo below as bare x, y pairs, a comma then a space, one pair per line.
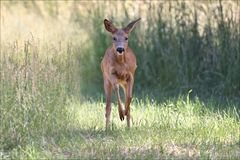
33, 94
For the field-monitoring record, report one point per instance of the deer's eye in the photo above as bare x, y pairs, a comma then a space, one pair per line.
126, 38
114, 38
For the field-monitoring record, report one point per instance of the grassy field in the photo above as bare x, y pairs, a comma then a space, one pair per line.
176, 128
187, 86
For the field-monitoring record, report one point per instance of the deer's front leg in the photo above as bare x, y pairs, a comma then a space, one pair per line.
108, 94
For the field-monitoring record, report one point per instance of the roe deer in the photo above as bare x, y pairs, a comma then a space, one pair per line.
118, 68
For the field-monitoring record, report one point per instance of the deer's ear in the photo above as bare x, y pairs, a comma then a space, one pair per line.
109, 26
131, 25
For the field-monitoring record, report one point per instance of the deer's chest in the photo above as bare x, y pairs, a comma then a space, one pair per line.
122, 72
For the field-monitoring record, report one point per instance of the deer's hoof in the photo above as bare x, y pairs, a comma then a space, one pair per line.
121, 115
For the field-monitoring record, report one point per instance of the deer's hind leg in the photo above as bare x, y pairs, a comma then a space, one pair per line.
128, 98
120, 107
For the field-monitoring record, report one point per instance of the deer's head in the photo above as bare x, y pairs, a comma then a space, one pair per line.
120, 36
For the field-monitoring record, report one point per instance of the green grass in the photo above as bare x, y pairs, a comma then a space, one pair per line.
175, 128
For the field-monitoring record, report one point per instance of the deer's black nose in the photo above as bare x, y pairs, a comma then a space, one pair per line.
120, 50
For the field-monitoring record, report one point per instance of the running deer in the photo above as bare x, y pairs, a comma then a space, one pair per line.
118, 68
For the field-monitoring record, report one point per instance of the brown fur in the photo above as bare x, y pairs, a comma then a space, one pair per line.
118, 70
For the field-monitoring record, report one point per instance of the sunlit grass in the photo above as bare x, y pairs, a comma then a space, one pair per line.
176, 128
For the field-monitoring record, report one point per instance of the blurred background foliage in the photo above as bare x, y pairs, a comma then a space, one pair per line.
51, 52
180, 45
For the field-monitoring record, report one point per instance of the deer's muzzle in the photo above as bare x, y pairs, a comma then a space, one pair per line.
120, 50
